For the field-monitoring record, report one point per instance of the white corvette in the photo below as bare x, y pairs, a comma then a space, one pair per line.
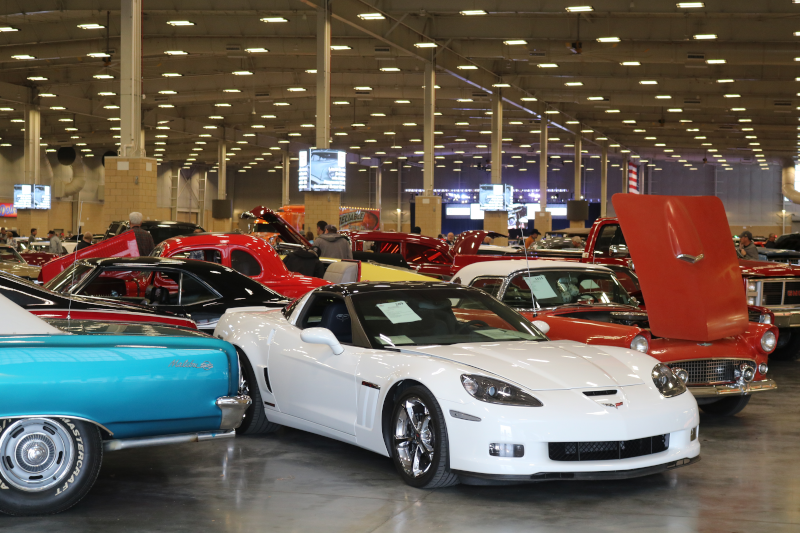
455, 386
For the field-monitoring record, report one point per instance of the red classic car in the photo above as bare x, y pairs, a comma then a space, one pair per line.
247, 254
696, 319
35, 253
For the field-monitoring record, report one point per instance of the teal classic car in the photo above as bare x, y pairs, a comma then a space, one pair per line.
72, 390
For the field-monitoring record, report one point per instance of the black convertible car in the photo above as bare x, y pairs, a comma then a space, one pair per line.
196, 289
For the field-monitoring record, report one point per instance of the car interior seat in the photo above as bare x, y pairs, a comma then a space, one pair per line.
336, 318
437, 317
156, 295
342, 272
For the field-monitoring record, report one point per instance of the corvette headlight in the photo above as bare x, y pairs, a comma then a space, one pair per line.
495, 391
667, 383
768, 341
640, 344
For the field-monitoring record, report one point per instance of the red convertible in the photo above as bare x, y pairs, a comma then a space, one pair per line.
696, 320
249, 255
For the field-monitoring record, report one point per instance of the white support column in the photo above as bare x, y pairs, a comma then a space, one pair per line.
604, 180
131, 79
201, 196
625, 174
324, 75
578, 166
222, 170
379, 188
32, 150
544, 222
285, 162
497, 137
428, 128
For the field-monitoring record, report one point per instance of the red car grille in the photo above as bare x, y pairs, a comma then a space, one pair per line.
703, 371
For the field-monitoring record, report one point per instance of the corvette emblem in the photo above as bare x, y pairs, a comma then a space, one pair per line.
614, 405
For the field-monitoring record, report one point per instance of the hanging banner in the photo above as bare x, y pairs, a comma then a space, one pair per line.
633, 178
357, 219
8, 211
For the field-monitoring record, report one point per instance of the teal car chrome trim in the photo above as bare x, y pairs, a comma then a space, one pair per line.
101, 426
233, 409
125, 444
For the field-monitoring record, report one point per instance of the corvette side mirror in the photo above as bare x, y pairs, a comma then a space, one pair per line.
542, 326
322, 336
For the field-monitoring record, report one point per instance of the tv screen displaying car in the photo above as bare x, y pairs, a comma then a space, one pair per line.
28, 196
495, 197
322, 170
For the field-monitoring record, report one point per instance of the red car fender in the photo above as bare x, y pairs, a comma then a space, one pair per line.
588, 331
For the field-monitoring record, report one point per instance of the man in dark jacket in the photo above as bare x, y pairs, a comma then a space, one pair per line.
333, 244
747, 249
86, 241
771, 241
143, 238
304, 262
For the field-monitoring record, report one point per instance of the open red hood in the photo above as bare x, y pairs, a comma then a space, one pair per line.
468, 242
279, 225
123, 245
688, 270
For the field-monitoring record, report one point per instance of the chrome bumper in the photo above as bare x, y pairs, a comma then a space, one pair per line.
786, 318
143, 442
710, 391
233, 408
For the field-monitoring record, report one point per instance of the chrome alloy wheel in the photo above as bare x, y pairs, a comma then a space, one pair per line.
414, 437
35, 454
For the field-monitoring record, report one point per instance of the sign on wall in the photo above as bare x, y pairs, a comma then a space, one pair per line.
8, 211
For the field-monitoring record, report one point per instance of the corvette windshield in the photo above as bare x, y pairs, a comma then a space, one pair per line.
410, 317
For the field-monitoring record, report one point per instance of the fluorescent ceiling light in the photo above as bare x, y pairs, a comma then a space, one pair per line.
473, 12
608, 39
377, 114
91, 26
98, 54
180, 23
171, 75
648, 82
340, 47
716, 61
167, 92
663, 97
242, 73
467, 67
37, 78
222, 104
231, 90
425, 45
612, 110
690, 5
501, 85
111, 107
176, 52
58, 108
47, 95
705, 36
311, 71
547, 65
22, 56
166, 105
631, 64
103, 77
675, 110
296, 89
371, 16
551, 112
596, 98
529, 99
390, 69
281, 104
733, 96
580, 9
341, 102
217, 117
463, 99
274, 19
4, 29
574, 84
515, 42
362, 88
725, 81
256, 50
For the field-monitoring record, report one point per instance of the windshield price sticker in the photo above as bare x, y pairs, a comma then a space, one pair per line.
540, 287
398, 312
503, 334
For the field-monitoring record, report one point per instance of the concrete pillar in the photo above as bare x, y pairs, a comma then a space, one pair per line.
625, 173
379, 189
543, 219
497, 220
399, 197
32, 149
428, 207
131, 79
285, 183
202, 179
222, 170
323, 205
604, 180
578, 165
175, 180
131, 185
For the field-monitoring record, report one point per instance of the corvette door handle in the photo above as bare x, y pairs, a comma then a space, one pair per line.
691, 259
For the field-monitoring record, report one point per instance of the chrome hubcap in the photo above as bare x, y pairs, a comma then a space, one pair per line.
414, 437
35, 454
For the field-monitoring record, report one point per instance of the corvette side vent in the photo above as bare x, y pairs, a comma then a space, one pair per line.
266, 379
609, 392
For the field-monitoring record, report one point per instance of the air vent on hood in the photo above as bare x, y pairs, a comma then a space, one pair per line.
609, 392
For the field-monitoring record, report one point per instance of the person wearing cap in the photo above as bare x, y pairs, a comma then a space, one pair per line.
333, 244
747, 249
530, 241
55, 243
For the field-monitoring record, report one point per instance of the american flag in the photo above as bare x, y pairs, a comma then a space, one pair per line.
633, 179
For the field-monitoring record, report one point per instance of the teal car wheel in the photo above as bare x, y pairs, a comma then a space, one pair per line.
46, 465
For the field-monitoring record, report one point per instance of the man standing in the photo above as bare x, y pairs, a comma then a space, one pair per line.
321, 225
55, 243
86, 241
451, 239
530, 241
33, 235
747, 250
143, 238
333, 244
771, 241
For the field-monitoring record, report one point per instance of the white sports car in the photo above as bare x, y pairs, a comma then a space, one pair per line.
456, 386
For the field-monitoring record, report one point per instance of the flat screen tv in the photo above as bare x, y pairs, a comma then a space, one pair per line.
27, 196
322, 170
495, 197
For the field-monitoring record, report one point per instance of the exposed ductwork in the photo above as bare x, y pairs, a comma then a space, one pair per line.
787, 176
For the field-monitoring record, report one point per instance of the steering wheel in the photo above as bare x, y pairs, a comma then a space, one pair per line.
472, 323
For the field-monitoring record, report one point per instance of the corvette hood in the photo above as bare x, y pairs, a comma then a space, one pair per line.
554, 365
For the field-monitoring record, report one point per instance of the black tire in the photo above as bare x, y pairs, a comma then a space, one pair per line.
73, 452
726, 406
435, 464
788, 348
255, 421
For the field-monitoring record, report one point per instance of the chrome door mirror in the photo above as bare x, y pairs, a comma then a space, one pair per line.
322, 336
618, 250
542, 326
634, 301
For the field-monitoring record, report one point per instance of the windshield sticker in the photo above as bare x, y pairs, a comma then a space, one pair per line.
503, 334
540, 287
398, 312
394, 340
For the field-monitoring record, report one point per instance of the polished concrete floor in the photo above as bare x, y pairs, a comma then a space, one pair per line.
747, 482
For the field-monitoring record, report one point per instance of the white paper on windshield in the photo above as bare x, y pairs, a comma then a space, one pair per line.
398, 312
502, 334
540, 287
396, 340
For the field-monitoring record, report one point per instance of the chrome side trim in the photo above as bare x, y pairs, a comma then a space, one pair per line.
691, 259
101, 426
712, 391
143, 442
233, 408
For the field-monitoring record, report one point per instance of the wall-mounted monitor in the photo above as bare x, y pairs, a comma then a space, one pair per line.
322, 170
27, 196
496, 197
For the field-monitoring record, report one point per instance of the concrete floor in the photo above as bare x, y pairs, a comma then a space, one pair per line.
747, 482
